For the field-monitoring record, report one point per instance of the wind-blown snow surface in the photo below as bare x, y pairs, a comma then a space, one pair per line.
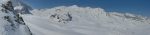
74, 20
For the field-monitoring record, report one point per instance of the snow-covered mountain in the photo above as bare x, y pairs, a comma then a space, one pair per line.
17, 18
11, 23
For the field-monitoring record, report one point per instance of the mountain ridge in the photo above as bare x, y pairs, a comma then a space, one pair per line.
85, 21
17, 18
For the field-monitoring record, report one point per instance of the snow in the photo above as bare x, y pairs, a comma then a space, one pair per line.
18, 7
85, 21
69, 20
4, 1
10, 23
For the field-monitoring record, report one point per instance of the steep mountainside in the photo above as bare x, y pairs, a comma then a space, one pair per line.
11, 23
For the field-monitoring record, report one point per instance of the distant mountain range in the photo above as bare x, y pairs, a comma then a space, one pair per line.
17, 18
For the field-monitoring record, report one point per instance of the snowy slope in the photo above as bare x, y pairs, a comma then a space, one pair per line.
10, 21
17, 18
74, 20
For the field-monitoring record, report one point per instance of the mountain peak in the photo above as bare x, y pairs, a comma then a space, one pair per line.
18, 6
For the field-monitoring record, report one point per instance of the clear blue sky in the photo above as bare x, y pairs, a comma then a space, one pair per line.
141, 7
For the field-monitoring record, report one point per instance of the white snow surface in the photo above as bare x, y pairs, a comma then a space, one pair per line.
85, 21
72, 20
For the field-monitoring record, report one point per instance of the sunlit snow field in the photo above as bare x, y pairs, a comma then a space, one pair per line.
17, 18
85, 21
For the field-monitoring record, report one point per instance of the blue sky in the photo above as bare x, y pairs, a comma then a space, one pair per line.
141, 7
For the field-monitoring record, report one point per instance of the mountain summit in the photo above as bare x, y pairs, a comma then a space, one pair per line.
17, 18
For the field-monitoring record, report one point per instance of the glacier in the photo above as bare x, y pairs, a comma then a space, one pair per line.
17, 18
85, 21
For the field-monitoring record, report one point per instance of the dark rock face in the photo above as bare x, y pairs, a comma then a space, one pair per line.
19, 19
8, 6
62, 18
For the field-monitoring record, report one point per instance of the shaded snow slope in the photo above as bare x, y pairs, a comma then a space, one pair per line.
74, 20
